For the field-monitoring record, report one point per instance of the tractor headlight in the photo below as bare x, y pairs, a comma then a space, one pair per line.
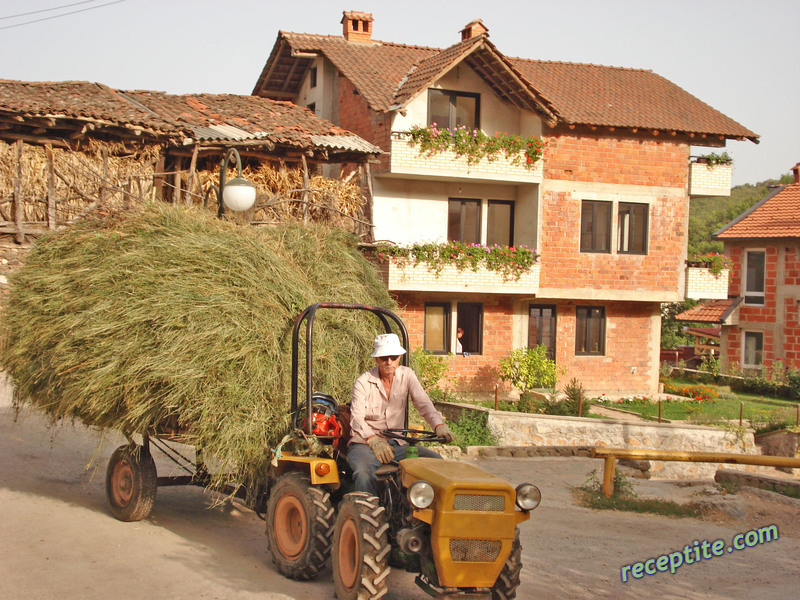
528, 496
421, 494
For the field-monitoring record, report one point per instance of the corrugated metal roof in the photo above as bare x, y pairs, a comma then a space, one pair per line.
352, 143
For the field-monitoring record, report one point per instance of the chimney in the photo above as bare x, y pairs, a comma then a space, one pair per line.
796, 171
473, 29
357, 26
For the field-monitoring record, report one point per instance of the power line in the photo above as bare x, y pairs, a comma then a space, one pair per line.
34, 12
62, 14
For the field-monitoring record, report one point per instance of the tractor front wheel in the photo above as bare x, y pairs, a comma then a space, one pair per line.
131, 483
505, 588
360, 549
299, 526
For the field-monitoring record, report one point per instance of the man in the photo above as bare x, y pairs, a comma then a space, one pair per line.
379, 403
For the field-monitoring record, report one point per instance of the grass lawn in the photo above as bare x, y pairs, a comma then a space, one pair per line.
757, 408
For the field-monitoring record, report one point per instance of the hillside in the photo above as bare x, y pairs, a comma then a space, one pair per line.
707, 215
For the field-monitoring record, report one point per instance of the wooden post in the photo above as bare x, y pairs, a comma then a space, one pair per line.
176, 183
51, 188
158, 178
103, 188
741, 414
19, 213
192, 168
659, 411
497, 385
305, 188
580, 406
609, 471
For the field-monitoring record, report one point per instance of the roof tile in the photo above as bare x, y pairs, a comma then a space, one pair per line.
776, 216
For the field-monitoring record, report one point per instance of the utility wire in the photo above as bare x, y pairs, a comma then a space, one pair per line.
61, 15
34, 12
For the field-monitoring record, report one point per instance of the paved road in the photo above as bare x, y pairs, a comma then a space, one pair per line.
60, 542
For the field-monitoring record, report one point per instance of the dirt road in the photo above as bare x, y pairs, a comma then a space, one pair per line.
60, 542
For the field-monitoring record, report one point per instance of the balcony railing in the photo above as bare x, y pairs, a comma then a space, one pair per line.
702, 284
407, 160
422, 278
710, 180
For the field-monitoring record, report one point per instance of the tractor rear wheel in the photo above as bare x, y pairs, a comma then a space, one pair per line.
299, 526
360, 549
505, 588
131, 483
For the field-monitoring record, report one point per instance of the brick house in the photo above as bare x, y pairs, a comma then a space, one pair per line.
606, 207
761, 319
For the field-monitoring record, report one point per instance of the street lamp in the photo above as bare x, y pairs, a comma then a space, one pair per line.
238, 194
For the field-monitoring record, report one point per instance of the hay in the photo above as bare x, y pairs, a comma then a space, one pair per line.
169, 314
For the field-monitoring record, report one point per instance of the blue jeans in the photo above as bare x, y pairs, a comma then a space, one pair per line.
362, 460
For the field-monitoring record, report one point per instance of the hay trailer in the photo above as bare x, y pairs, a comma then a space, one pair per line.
451, 523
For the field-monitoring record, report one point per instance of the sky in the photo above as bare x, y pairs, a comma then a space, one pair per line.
736, 55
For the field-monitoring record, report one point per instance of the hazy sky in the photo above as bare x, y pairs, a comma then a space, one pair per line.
739, 56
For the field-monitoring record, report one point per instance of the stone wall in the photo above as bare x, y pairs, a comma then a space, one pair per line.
521, 430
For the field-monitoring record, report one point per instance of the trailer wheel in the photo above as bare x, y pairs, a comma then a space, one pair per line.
299, 526
131, 483
505, 588
360, 549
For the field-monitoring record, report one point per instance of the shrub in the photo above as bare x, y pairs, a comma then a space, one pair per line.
528, 368
471, 430
430, 370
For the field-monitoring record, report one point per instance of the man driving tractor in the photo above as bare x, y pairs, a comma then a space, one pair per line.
379, 403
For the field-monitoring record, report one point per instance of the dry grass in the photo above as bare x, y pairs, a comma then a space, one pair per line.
168, 313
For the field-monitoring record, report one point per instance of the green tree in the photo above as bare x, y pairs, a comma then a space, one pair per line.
528, 368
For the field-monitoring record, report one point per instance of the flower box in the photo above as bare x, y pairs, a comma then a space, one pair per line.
422, 278
702, 284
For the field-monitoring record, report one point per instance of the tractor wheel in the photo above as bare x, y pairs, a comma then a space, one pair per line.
360, 549
131, 483
505, 588
299, 526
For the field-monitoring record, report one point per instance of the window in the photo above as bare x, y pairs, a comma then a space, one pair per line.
464, 221
312, 77
595, 226
453, 109
437, 328
469, 324
632, 228
590, 330
542, 328
755, 261
500, 223
753, 348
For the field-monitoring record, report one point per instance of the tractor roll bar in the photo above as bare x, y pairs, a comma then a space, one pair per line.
384, 315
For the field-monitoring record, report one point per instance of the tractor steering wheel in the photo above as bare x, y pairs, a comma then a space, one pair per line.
412, 436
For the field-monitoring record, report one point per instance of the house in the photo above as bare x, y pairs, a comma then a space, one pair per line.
761, 319
605, 207
165, 139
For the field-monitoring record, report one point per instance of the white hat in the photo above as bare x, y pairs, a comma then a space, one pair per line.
387, 344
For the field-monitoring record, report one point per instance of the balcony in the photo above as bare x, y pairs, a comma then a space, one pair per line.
421, 278
406, 160
702, 284
707, 179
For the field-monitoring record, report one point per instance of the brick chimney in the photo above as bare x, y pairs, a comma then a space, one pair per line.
796, 171
473, 29
357, 26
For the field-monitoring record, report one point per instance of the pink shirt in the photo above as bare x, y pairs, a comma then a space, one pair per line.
372, 412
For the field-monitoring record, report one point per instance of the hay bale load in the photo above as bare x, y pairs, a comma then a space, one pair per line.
169, 315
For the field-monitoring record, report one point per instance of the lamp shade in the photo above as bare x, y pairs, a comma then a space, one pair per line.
239, 194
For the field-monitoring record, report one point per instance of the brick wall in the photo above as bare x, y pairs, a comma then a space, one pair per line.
609, 160
355, 115
627, 366
564, 266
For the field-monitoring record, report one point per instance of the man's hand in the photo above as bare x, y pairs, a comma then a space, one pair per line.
382, 449
443, 431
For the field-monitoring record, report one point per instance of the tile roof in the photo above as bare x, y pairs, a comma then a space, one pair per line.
388, 75
204, 117
776, 216
713, 311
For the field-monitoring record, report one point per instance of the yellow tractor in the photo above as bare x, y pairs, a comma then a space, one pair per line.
452, 523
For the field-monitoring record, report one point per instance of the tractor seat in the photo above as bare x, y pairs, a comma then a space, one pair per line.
386, 471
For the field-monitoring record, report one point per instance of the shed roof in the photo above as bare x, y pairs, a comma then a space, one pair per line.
713, 311
62, 107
